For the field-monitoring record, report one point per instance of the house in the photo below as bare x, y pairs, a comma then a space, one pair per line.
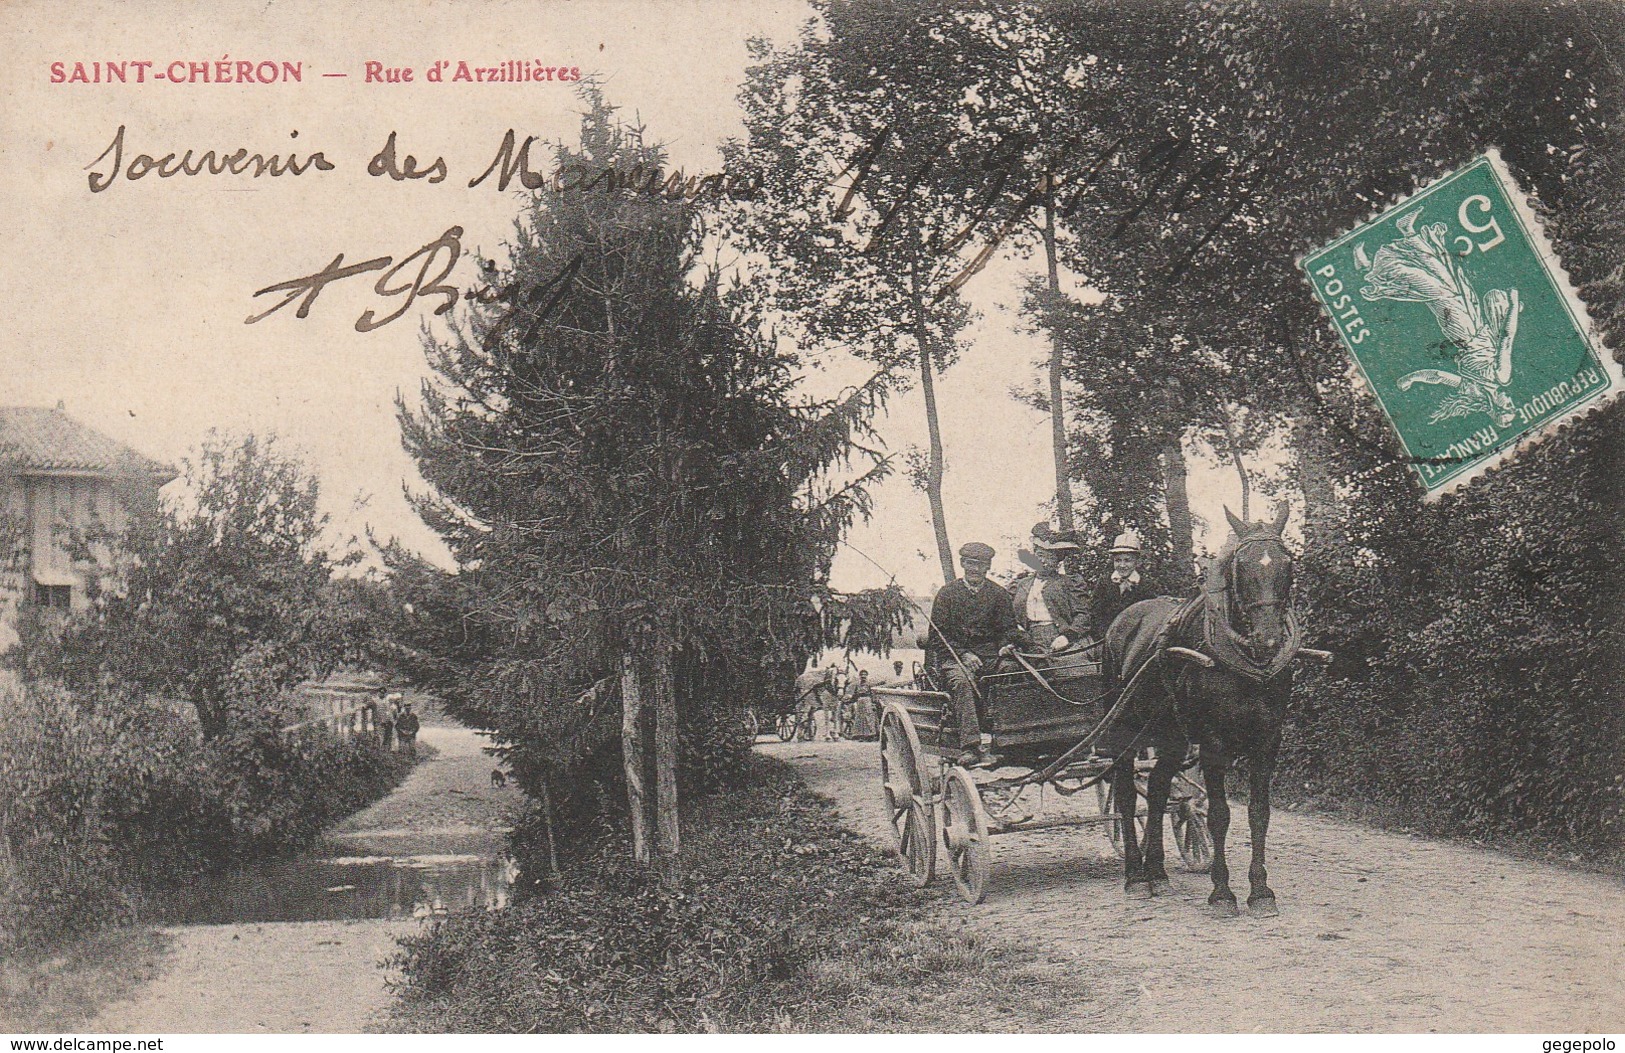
58, 476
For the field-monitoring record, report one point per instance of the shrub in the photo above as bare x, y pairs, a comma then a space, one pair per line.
1476, 687
59, 871
98, 802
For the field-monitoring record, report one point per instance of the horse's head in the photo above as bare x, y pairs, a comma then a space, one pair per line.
1259, 580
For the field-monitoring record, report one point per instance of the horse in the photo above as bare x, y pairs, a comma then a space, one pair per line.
1215, 671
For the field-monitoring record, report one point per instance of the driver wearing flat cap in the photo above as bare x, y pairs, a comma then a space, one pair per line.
971, 620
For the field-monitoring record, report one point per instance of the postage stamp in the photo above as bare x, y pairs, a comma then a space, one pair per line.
1463, 324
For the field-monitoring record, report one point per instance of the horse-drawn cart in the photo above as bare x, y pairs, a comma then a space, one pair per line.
1047, 720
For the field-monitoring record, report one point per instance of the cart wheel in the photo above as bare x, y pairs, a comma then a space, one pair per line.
1103, 801
1191, 837
917, 844
786, 726
1114, 827
964, 835
753, 723
903, 783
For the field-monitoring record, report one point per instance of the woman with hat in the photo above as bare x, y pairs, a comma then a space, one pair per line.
1044, 602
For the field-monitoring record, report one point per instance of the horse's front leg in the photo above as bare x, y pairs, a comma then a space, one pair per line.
1157, 789
1222, 902
1261, 900
1136, 885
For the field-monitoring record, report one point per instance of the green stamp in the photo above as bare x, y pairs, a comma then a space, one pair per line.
1462, 322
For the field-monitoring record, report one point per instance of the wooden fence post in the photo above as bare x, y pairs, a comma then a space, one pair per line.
634, 756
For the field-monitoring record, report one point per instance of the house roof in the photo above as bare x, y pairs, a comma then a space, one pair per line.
35, 439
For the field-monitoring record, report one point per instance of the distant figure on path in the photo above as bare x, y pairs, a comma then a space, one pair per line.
407, 727
863, 711
829, 712
387, 715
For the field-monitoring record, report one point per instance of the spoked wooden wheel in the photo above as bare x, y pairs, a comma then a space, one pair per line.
786, 726
1190, 834
753, 723
903, 784
1108, 806
1189, 821
964, 835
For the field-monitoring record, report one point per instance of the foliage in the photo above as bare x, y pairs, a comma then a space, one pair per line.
866, 621
1476, 689
99, 802
216, 600
619, 468
788, 922
854, 234
1194, 151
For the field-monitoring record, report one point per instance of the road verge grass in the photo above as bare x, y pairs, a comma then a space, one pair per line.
786, 921
58, 989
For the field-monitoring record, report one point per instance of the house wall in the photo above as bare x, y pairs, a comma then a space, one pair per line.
50, 508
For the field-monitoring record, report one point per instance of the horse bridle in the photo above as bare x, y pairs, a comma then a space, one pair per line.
1230, 594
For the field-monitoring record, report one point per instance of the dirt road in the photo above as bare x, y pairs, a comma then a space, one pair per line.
1378, 931
421, 845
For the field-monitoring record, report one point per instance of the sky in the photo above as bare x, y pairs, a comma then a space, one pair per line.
129, 303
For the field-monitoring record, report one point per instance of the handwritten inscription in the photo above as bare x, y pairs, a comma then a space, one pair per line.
1173, 176
191, 163
510, 164
424, 274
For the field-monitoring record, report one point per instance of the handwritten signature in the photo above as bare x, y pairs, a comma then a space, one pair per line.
423, 275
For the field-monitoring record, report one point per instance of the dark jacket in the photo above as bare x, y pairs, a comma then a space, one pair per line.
1066, 607
976, 623
1110, 601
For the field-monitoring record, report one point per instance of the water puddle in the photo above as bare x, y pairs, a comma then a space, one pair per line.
344, 888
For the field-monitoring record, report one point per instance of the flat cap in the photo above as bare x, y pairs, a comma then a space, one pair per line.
976, 550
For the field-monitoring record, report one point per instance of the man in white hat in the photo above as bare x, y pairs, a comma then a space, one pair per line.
1125, 585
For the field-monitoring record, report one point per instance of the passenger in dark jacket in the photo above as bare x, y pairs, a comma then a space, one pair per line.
1123, 588
971, 620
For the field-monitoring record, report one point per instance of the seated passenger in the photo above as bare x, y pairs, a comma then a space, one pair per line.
1045, 603
971, 621
1123, 587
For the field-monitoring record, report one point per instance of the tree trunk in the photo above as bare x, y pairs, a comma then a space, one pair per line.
552, 878
1180, 535
1057, 394
668, 840
934, 467
634, 757
1322, 525
1234, 443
